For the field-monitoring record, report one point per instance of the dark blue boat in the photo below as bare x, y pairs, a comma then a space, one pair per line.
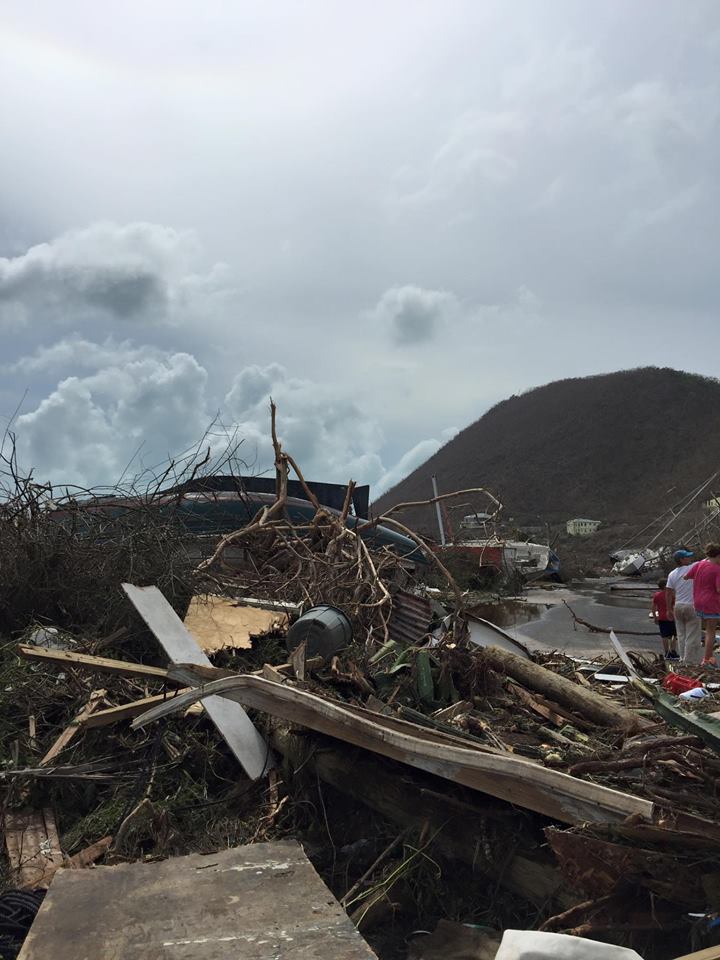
214, 513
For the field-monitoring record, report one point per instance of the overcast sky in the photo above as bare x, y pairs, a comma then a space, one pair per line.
388, 215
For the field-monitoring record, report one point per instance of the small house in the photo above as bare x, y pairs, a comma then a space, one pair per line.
581, 527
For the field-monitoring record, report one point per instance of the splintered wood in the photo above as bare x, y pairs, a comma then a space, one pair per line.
33, 846
97, 697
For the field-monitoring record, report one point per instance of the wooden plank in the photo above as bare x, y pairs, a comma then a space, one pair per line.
502, 775
89, 855
247, 903
543, 711
269, 672
126, 711
67, 658
194, 674
96, 698
298, 660
709, 953
232, 722
33, 846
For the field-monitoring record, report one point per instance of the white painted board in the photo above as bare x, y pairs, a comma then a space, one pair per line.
232, 722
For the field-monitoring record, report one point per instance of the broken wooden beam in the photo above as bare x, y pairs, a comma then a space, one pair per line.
85, 858
96, 698
508, 777
549, 711
196, 674
126, 711
178, 673
67, 658
233, 724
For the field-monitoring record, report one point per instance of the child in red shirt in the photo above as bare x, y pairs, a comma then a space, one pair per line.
665, 621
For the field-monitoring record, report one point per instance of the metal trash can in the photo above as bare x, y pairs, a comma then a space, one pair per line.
325, 630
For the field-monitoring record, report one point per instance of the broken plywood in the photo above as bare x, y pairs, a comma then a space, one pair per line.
248, 903
217, 622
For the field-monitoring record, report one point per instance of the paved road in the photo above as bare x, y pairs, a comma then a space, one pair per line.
554, 629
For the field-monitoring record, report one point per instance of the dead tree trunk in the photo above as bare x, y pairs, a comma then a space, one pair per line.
582, 700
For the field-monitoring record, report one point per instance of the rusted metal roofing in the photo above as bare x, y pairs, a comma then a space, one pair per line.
410, 618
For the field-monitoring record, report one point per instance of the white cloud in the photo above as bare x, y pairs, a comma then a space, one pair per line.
130, 274
150, 405
88, 428
319, 424
78, 353
414, 457
412, 314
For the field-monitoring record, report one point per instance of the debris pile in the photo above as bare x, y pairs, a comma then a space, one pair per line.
318, 690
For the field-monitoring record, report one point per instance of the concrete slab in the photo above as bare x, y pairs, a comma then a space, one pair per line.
256, 902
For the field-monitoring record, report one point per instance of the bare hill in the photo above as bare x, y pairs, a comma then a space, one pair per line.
620, 447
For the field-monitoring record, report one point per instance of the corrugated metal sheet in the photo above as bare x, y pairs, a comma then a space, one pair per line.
410, 618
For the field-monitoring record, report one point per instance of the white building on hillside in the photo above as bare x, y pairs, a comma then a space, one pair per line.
581, 527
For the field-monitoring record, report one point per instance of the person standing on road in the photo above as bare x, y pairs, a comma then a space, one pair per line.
680, 606
664, 620
706, 597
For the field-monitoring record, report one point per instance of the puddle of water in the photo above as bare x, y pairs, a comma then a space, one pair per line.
545, 622
509, 613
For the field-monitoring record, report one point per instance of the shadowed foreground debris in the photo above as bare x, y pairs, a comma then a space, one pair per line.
428, 777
